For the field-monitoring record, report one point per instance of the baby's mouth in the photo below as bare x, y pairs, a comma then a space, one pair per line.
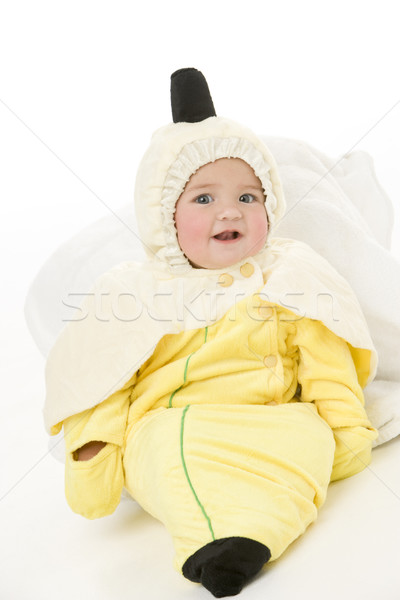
225, 236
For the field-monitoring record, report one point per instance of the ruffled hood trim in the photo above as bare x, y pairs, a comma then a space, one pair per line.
176, 152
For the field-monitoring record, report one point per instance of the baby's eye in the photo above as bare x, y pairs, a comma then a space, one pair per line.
247, 198
203, 199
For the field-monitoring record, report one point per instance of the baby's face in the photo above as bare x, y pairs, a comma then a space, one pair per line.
220, 216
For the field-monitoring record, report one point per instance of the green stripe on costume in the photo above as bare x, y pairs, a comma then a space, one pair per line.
185, 372
185, 410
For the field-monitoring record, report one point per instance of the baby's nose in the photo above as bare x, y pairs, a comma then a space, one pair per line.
229, 211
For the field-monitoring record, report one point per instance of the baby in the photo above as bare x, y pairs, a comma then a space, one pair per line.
189, 381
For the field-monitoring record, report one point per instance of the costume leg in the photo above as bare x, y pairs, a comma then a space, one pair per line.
213, 472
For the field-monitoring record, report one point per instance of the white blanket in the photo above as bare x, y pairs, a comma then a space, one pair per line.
335, 206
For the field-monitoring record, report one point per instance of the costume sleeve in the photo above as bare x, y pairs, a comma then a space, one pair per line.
328, 378
93, 487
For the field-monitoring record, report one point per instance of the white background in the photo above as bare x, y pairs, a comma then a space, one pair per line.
83, 84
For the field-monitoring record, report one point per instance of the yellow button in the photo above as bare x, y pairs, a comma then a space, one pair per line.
265, 312
270, 361
247, 270
225, 280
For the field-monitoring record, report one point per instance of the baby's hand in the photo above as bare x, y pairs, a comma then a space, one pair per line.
94, 478
88, 451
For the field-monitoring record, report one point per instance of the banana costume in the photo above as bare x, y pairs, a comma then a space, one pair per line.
228, 399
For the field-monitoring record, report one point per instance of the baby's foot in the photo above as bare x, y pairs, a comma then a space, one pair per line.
224, 566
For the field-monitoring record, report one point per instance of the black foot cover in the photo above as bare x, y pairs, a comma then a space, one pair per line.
224, 566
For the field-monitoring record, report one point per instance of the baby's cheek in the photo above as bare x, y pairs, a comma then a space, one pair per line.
260, 229
195, 229
190, 237
190, 232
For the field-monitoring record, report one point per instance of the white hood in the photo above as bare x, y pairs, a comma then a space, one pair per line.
175, 153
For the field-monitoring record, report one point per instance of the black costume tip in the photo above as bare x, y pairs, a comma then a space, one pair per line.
191, 100
226, 565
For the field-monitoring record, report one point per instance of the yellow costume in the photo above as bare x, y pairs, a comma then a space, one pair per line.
214, 437
228, 399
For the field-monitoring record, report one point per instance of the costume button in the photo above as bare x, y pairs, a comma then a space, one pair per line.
270, 361
247, 270
225, 280
265, 312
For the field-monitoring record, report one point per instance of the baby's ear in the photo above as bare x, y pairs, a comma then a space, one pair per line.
191, 100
